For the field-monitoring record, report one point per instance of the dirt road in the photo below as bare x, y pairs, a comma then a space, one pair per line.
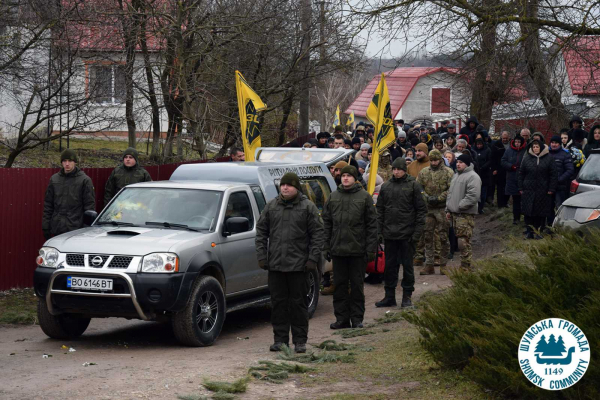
135, 359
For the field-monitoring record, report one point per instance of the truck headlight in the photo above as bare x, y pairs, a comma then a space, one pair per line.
48, 257
160, 262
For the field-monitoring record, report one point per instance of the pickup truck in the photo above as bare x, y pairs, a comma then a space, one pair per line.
180, 250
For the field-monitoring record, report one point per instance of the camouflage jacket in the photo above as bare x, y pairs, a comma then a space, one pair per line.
436, 182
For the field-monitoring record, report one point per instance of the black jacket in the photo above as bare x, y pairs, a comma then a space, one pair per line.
68, 196
484, 162
591, 142
123, 176
564, 168
401, 209
350, 222
497, 153
511, 162
289, 233
465, 130
537, 177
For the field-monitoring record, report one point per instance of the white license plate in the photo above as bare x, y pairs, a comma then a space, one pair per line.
75, 282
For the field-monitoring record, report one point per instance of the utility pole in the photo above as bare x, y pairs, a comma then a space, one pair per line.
303, 67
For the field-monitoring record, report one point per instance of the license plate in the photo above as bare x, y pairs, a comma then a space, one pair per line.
75, 282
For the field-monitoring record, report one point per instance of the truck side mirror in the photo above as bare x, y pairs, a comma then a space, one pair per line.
236, 225
89, 217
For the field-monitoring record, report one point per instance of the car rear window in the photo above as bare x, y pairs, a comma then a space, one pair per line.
590, 170
316, 188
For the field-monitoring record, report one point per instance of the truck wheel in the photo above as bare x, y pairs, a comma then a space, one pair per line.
200, 322
64, 326
314, 284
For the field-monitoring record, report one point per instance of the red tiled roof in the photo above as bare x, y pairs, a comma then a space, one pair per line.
582, 59
400, 83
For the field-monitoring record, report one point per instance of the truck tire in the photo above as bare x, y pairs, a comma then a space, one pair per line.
201, 320
314, 284
64, 326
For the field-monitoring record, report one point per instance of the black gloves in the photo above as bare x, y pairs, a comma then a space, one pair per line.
311, 265
432, 200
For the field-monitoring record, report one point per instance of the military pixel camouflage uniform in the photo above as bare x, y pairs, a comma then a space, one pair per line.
463, 227
435, 183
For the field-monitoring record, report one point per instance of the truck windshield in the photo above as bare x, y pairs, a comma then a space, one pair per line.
197, 209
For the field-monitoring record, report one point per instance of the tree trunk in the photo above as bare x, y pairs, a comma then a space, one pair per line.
304, 66
155, 154
483, 98
287, 108
557, 114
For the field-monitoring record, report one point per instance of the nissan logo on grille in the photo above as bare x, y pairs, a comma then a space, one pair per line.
97, 261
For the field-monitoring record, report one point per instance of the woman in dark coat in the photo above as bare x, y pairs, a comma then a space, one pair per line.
484, 161
510, 162
593, 141
538, 180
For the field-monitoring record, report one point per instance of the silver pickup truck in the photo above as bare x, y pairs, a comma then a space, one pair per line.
180, 250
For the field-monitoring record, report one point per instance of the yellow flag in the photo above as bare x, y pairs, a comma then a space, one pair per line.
350, 122
249, 104
336, 120
380, 115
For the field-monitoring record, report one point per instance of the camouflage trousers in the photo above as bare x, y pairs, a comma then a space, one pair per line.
463, 228
434, 245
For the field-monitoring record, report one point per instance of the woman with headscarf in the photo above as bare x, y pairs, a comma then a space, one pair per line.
538, 180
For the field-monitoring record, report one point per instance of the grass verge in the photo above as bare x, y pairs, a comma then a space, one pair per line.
18, 306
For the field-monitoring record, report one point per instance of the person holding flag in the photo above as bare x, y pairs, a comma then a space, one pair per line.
350, 121
249, 104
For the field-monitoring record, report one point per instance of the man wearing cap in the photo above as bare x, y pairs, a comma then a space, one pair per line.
422, 161
70, 193
289, 238
435, 181
322, 137
402, 142
450, 131
461, 205
363, 154
350, 223
125, 174
401, 213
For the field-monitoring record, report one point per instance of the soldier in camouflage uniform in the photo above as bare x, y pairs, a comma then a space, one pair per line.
461, 205
385, 167
435, 181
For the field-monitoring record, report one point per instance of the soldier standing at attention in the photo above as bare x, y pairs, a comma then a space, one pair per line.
401, 213
350, 223
289, 238
69, 194
435, 181
125, 174
461, 205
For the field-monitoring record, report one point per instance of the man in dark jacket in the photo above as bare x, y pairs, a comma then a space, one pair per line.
511, 162
483, 158
322, 137
289, 238
125, 174
69, 194
499, 173
576, 123
565, 172
401, 212
350, 223
470, 128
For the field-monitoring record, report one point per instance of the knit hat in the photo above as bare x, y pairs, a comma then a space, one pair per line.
361, 164
355, 140
409, 158
291, 179
341, 165
435, 155
399, 163
401, 134
370, 130
323, 135
365, 146
348, 142
423, 147
349, 169
556, 139
338, 128
68, 154
370, 150
451, 126
465, 158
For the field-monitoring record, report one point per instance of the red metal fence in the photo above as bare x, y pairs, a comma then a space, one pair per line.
22, 193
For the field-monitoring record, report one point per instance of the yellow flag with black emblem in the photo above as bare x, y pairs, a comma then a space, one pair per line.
350, 122
380, 115
336, 119
249, 104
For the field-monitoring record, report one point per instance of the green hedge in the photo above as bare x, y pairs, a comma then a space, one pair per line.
476, 325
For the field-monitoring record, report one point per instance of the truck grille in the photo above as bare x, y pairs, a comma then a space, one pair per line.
117, 262
120, 262
75, 260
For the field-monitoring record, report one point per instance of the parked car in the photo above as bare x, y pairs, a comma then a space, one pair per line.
588, 177
180, 250
580, 212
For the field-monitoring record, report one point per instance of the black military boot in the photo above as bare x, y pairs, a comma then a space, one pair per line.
406, 300
389, 300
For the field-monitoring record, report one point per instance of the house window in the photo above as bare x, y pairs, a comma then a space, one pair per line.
440, 101
107, 83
